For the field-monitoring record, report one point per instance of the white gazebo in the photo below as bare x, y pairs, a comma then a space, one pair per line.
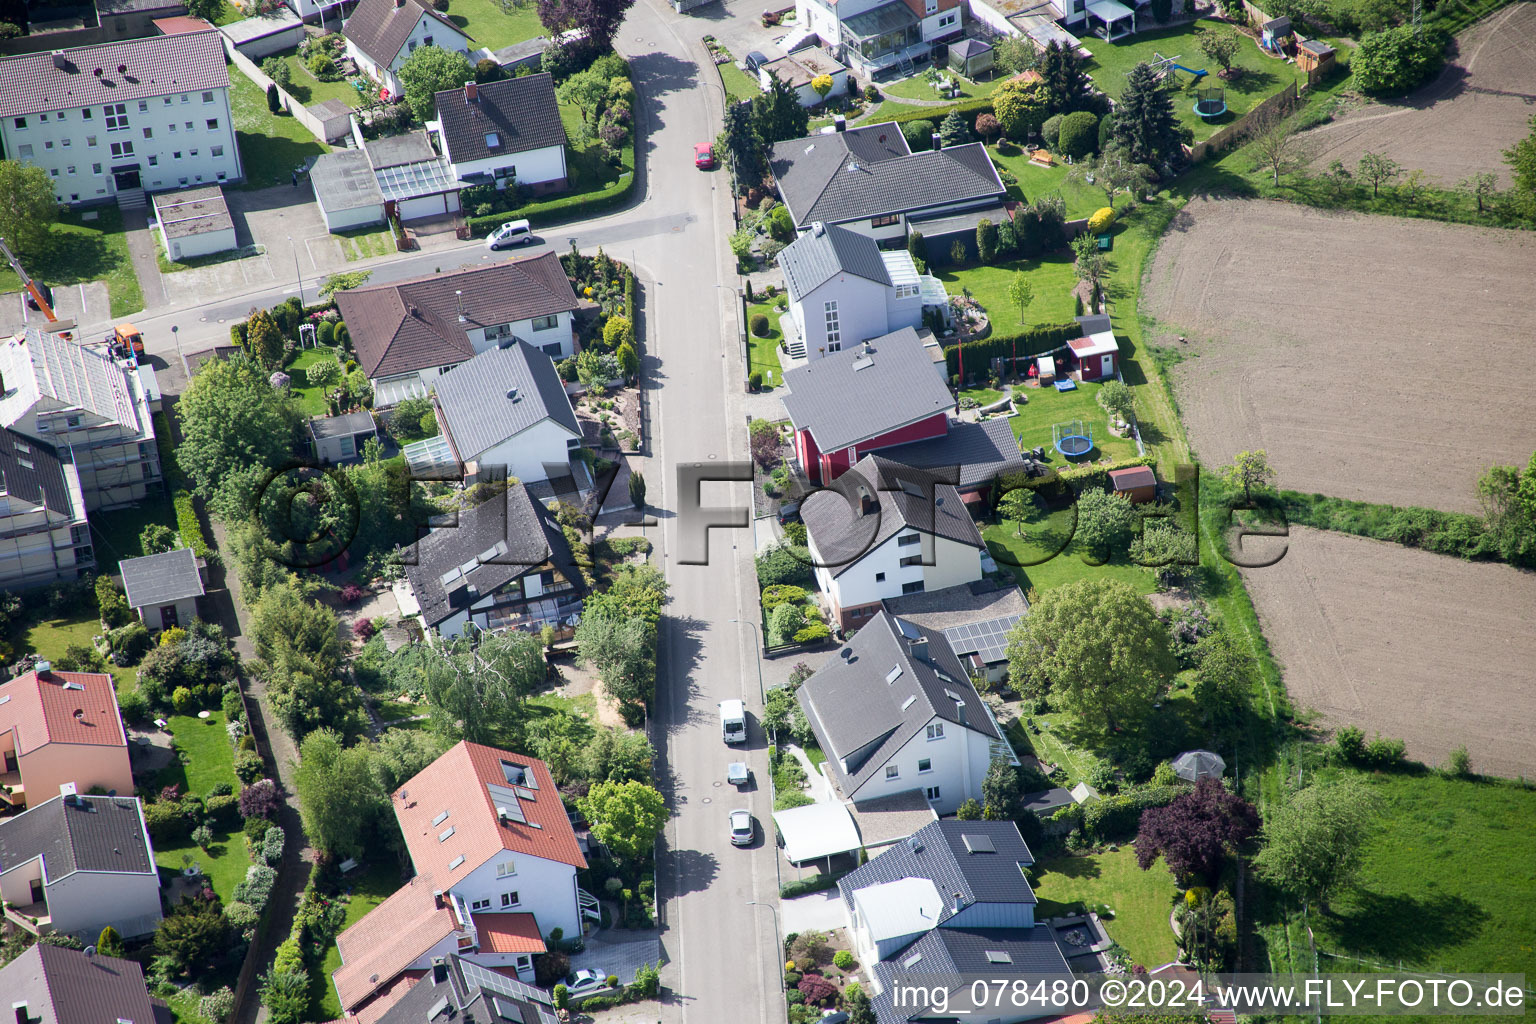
1114, 17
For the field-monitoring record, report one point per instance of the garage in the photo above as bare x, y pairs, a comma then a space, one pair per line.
413, 178
346, 190
423, 206
194, 222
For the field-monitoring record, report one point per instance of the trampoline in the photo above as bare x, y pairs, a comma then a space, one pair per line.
1071, 439
1211, 101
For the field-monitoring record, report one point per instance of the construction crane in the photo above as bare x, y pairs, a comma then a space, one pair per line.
36, 292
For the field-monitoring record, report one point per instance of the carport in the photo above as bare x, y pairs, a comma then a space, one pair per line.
816, 831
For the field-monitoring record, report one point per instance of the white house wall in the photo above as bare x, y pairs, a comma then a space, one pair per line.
954, 563
559, 335
203, 244
526, 453
860, 307
959, 762
546, 888
426, 29
57, 145
531, 167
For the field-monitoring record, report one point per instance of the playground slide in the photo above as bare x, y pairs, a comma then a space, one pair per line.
1189, 71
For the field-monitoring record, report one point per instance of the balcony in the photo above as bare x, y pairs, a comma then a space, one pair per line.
33, 917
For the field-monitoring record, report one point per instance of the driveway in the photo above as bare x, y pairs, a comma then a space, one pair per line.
820, 912
620, 953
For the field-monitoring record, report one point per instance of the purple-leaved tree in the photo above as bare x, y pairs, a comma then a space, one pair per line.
1196, 831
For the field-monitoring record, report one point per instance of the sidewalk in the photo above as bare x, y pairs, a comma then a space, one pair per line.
142, 248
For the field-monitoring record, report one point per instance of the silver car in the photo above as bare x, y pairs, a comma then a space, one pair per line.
742, 828
579, 983
512, 233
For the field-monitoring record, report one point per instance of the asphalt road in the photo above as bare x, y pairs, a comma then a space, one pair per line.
722, 951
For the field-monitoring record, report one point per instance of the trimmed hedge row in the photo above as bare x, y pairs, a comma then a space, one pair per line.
1037, 340
1097, 474
1116, 818
936, 114
556, 211
188, 526
806, 886
1445, 533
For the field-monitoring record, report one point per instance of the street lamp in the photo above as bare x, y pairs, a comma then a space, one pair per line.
758, 651
297, 275
777, 935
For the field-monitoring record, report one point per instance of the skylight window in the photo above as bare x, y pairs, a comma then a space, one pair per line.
456, 862
976, 843
439, 819
893, 675
492, 140
912, 960
908, 702
997, 956
442, 836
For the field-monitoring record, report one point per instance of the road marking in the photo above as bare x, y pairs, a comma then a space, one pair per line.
83, 304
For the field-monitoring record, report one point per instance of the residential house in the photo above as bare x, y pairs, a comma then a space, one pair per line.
883, 530
843, 288
471, 992
53, 985
868, 180
873, 36
163, 589
505, 413
88, 408
800, 69
951, 901
341, 438
407, 335
502, 133
111, 121
503, 564
45, 536
75, 864
58, 728
896, 712
496, 860
1042, 21
975, 618
382, 34
133, 19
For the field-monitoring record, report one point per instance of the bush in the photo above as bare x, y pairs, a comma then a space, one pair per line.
871, 94
919, 134
1050, 131
1459, 763
272, 845
255, 889
794, 997
550, 968
818, 990
1383, 752
1116, 818
777, 595
111, 604
134, 707
182, 699
249, 766
1079, 134
1101, 220
260, 800
759, 324
803, 886
242, 916
217, 1005
1397, 60
274, 101
1350, 743
562, 996
129, 643
223, 811
166, 824
255, 829
780, 565
843, 960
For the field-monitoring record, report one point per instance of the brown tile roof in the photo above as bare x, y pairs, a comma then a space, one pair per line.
456, 783
520, 112
412, 325
509, 933
187, 62
389, 938
380, 27
1133, 476
178, 24
61, 707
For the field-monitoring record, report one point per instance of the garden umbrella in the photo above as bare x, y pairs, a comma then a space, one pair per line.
1193, 765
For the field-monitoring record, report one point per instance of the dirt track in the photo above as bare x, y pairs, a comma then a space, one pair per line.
1461, 122
1429, 649
1377, 359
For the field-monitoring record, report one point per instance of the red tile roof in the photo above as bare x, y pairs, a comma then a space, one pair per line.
509, 933
389, 938
385, 999
1133, 476
456, 784
182, 23
156, 66
61, 707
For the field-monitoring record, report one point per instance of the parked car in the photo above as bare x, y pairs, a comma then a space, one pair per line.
512, 233
704, 156
584, 982
738, 774
755, 60
742, 828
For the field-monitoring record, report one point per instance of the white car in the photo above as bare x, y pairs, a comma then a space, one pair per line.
584, 982
742, 828
737, 773
516, 232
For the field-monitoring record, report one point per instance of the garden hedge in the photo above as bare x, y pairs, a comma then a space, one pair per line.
555, 211
1445, 533
1034, 341
188, 526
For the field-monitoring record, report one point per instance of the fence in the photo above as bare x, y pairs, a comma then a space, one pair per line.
1284, 100
315, 126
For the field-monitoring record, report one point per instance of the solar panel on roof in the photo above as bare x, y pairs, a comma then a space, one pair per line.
978, 843
908, 630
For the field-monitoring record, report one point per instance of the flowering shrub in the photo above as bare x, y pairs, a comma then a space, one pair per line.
260, 800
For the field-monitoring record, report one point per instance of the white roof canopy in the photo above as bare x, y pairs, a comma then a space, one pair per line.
907, 906
1110, 11
816, 830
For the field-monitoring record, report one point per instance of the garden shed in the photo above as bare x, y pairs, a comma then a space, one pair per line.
335, 118
340, 438
1314, 55
163, 589
1138, 483
971, 57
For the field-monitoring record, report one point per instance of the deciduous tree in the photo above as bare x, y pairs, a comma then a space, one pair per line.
1019, 107
1274, 144
599, 18
1020, 292
428, 71
1313, 842
27, 205
235, 428
339, 796
626, 817
1117, 399
1379, 170
1250, 471
1196, 832
1225, 674
1220, 45
1521, 158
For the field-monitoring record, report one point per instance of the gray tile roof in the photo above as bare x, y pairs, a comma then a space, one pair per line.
843, 529
963, 955
397, 150
939, 853
31, 472
37, 364
825, 251
865, 391
1096, 323
864, 719
869, 172
528, 530
346, 425
500, 393
156, 66
380, 27
521, 113
98, 833
160, 579
476, 992
344, 180
980, 450
64, 986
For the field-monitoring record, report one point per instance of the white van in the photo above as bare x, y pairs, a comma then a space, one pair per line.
733, 721
516, 232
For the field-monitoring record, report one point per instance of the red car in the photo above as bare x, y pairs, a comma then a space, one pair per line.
704, 156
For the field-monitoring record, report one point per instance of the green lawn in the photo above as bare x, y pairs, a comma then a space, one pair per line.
490, 27
1453, 852
309, 90
1262, 76
1028, 181
365, 890
1046, 406
34, 632
919, 88
271, 146
363, 243
80, 251
765, 350
738, 84
1141, 900
587, 169
311, 399
209, 761
982, 396
1051, 276
1044, 563
115, 535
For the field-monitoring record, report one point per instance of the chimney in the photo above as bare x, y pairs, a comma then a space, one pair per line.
958, 905
68, 791
22, 1016
413, 311
839, 122
918, 648
938, 143
439, 970
458, 295
960, 711
866, 504
399, 4
471, 92
43, 667
60, 61
437, 898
